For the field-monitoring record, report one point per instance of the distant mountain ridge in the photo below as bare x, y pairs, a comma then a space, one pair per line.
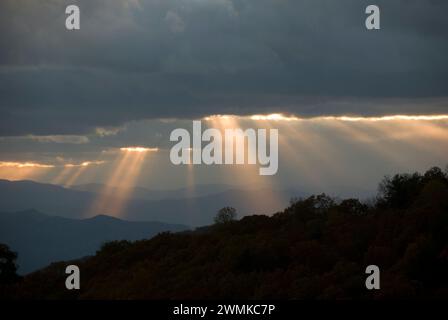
155, 194
196, 211
41, 239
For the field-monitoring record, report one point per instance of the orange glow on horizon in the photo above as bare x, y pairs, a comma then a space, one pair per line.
30, 170
24, 165
282, 117
139, 149
273, 117
389, 118
15, 171
83, 164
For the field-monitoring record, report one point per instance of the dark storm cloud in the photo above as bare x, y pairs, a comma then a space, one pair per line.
188, 58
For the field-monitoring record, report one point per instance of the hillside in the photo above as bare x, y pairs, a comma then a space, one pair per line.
317, 248
42, 239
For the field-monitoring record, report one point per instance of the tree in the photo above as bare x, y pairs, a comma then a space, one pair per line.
435, 173
8, 267
353, 206
225, 215
399, 191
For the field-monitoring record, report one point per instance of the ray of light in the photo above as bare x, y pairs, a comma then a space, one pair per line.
71, 172
191, 187
303, 147
62, 176
113, 198
76, 173
244, 175
312, 143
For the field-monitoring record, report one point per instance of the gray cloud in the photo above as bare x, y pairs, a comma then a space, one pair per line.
188, 58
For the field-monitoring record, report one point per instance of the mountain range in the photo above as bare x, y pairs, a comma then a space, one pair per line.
60, 227
193, 211
41, 239
154, 194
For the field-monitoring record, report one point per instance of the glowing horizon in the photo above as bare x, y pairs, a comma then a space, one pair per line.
13, 164
139, 149
283, 117
306, 144
83, 164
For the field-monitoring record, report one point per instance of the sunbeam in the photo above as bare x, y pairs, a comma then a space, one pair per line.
112, 199
244, 175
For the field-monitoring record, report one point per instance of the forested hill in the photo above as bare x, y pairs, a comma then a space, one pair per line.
316, 248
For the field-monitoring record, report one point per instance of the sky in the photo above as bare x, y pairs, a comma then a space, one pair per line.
70, 101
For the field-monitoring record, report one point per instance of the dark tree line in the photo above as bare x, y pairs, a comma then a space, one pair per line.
8, 267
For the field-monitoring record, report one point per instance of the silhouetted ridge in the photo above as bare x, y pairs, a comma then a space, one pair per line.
41, 239
103, 217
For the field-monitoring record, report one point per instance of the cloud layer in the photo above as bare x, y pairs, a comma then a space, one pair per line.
141, 59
